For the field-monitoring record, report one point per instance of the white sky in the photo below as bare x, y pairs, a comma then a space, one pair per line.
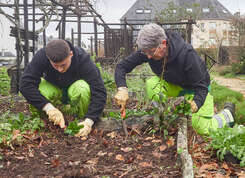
111, 11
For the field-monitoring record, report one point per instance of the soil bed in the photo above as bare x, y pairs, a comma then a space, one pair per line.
51, 153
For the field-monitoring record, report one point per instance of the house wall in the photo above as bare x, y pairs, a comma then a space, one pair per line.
210, 33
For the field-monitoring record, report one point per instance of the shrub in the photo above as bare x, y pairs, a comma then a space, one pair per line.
4, 82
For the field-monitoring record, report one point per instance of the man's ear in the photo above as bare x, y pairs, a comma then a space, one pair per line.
71, 53
164, 42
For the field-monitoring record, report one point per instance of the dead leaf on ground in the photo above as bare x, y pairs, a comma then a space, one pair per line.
130, 160
55, 162
101, 153
31, 153
43, 154
170, 142
16, 133
8, 163
241, 174
84, 138
119, 157
127, 149
147, 144
105, 142
162, 147
149, 138
157, 154
198, 155
93, 161
55, 141
112, 134
219, 175
75, 163
157, 141
20, 157
225, 166
207, 167
139, 147
145, 164
139, 157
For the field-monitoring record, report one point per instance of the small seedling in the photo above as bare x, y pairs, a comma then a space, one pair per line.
73, 128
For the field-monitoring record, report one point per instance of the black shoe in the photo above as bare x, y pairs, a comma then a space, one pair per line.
231, 107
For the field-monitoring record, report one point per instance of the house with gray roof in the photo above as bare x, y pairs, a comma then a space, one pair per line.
212, 27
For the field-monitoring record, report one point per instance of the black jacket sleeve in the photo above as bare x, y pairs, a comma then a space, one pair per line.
91, 74
31, 78
127, 65
197, 74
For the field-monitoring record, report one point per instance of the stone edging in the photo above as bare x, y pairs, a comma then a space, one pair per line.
182, 149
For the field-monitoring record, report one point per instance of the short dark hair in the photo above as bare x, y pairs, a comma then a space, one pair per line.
57, 50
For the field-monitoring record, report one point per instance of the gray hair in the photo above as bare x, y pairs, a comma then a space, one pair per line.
150, 36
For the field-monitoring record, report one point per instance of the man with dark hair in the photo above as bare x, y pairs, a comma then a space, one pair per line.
179, 71
61, 71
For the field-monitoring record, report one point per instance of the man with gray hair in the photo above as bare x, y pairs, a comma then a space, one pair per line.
180, 70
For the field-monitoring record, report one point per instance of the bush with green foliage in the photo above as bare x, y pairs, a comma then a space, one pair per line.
4, 81
107, 78
239, 67
227, 72
231, 140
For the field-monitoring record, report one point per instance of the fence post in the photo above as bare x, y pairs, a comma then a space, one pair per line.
95, 37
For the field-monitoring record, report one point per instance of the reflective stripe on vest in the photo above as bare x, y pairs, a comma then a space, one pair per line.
219, 120
227, 118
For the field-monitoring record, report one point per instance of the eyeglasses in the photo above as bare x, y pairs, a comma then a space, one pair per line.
151, 52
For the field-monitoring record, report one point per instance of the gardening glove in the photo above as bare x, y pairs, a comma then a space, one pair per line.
54, 115
121, 97
194, 107
87, 127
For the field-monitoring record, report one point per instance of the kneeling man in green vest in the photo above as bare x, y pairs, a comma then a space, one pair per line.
61, 71
180, 71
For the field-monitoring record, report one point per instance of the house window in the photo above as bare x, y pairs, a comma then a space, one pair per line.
212, 41
202, 27
225, 33
205, 10
189, 10
147, 11
212, 25
225, 11
212, 33
139, 11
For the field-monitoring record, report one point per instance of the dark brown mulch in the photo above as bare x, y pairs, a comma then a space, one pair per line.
51, 153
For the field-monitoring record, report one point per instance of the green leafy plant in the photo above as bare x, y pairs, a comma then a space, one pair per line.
73, 128
231, 140
4, 82
168, 109
21, 123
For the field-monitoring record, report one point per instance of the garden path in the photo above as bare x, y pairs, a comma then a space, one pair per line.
232, 83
